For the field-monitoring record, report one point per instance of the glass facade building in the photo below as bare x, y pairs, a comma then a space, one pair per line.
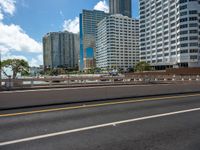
88, 27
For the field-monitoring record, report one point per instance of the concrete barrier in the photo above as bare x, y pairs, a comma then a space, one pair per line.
18, 99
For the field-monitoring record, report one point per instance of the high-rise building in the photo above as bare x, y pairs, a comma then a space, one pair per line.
60, 49
123, 7
118, 43
170, 33
88, 26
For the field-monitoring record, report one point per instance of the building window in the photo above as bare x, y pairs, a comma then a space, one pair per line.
194, 38
183, 1
194, 44
184, 51
184, 45
193, 12
193, 25
183, 20
183, 32
173, 53
184, 13
183, 7
193, 31
194, 51
184, 39
183, 26
193, 18
193, 57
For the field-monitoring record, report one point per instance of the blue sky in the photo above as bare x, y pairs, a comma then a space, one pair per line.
24, 22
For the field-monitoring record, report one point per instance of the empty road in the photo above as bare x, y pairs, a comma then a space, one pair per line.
154, 123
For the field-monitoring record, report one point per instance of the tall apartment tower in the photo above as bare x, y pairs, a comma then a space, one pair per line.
88, 27
60, 49
118, 43
123, 7
170, 33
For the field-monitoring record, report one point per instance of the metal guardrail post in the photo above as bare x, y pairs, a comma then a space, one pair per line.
68, 76
190, 79
9, 83
32, 82
50, 82
174, 78
197, 78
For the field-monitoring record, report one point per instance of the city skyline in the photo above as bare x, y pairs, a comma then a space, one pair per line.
21, 37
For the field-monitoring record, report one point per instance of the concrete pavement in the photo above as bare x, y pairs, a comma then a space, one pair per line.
161, 123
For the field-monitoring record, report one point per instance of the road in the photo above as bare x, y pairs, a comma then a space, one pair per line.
154, 123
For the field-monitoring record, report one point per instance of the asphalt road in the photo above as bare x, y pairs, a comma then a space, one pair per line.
161, 123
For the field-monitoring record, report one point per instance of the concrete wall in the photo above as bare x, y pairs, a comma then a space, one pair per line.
15, 99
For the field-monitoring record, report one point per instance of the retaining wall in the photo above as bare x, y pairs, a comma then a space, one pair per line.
15, 99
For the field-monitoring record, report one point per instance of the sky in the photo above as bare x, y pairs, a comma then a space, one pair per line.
23, 23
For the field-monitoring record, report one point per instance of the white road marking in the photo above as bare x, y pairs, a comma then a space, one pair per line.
96, 127
73, 88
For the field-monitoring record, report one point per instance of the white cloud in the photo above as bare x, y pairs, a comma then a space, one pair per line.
3, 50
1, 15
71, 25
7, 6
35, 62
102, 5
13, 37
8, 55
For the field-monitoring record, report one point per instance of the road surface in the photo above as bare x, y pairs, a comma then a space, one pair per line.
158, 123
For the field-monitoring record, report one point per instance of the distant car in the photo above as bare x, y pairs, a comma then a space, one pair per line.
114, 73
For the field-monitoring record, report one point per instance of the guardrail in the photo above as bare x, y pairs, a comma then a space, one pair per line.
9, 84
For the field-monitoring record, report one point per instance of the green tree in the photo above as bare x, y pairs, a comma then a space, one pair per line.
142, 66
16, 65
131, 69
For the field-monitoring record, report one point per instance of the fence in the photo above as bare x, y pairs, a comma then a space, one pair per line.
48, 82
